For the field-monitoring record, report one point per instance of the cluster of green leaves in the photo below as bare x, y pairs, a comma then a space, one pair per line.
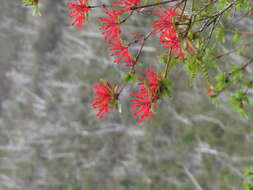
238, 100
130, 77
234, 80
227, 77
240, 4
222, 80
196, 64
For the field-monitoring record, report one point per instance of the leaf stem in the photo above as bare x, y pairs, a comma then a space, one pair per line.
168, 65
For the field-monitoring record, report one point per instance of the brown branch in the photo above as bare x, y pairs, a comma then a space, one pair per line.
135, 7
215, 17
228, 75
140, 50
155, 4
128, 16
238, 32
243, 67
231, 51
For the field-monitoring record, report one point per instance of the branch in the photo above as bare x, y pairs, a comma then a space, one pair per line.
136, 7
231, 73
140, 50
243, 67
231, 51
156, 4
215, 17
193, 179
128, 16
238, 32
210, 36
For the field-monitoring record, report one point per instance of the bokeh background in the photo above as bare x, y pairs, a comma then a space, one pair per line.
50, 138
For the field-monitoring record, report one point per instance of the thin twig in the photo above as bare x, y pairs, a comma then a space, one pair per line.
231, 51
193, 179
155, 4
128, 16
135, 7
215, 17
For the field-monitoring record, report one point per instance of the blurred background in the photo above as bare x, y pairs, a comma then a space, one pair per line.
50, 138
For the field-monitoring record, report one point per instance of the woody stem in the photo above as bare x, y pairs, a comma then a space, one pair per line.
136, 7
154, 4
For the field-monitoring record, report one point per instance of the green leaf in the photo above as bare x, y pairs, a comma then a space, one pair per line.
169, 93
130, 77
164, 58
165, 83
236, 38
118, 107
221, 80
238, 101
220, 34
36, 10
247, 186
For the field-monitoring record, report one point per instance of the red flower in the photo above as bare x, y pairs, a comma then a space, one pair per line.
251, 13
111, 25
128, 4
146, 97
168, 34
150, 82
165, 21
122, 52
170, 40
103, 99
78, 10
143, 105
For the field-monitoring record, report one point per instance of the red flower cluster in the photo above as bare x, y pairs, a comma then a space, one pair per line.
152, 86
104, 98
165, 21
146, 97
78, 10
168, 35
111, 27
170, 40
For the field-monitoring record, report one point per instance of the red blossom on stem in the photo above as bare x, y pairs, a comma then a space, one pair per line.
169, 39
110, 26
150, 82
78, 10
168, 35
165, 21
146, 97
128, 4
122, 52
103, 98
143, 105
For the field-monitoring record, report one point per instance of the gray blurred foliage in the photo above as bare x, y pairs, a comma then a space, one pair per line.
50, 138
